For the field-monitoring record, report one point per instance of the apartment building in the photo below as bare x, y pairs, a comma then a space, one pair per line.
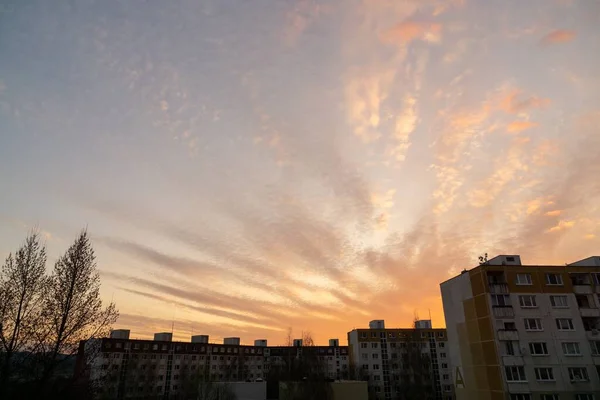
522, 332
396, 360
163, 368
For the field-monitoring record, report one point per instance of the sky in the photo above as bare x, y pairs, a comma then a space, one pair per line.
245, 167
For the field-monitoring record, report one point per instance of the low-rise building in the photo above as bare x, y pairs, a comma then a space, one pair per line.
137, 368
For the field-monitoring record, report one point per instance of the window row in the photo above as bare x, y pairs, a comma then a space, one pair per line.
555, 279
517, 374
530, 301
401, 334
541, 348
535, 324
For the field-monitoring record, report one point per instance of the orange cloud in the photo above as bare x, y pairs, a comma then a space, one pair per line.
558, 36
554, 213
407, 31
520, 126
514, 103
562, 225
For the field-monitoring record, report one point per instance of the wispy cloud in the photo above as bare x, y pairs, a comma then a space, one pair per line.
520, 126
407, 31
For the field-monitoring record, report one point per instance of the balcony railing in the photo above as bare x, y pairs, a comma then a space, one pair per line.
503, 312
504, 334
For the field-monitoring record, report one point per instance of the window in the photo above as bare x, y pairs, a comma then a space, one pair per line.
510, 326
442, 355
595, 345
445, 377
523, 279
373, 334
376, 366
596, 277
564, 324
365, 366
377, 377
571, 349
578, 374
520, 396
538, 349
375, 356
585, 396
500, 300
559, 301
363, 345
527, 301
509, 348
554, 279
373, 345
515, 374
365, 356
544, 374
447, 388
441, 344
363, 335
444, 365
533, 324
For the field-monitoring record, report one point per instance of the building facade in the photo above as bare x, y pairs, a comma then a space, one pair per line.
402, 361
161, 368
524, 332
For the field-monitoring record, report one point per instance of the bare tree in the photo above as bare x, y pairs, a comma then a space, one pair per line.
73, 308
289, 339
22, 283
307, 339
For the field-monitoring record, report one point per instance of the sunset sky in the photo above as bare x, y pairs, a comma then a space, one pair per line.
248, 166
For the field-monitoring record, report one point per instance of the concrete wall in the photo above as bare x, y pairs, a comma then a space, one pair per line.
349, 390
249, 390
340, 390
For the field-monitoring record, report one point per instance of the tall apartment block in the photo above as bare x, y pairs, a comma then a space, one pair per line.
523, 332
395, 360
161, 367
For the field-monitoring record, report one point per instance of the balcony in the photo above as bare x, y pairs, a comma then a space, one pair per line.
591, 324
589, 312
503, 312
496, 288
504, 334
581, 283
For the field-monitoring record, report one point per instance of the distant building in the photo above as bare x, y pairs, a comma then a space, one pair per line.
522, 332
385, 356
138, 368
